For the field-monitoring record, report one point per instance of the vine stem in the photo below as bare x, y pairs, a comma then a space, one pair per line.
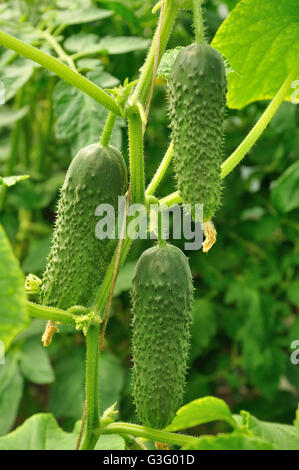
108, 128
171, 199
136, 159
91, 384
149, 433
59, 50
61, 70
198, 22
162, 33
260, 126
50, 313
161, 171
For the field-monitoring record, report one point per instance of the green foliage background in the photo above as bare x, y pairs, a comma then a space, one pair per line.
247, 287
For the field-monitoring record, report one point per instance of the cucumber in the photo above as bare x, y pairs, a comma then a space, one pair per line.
197, 90
162, 294
78, 260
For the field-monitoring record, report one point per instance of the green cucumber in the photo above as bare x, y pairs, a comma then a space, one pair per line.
161, 304
78, 260
197, 89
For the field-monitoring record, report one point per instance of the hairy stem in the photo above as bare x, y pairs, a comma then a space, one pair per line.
60, 69
260, 126
149, 433
50, 313
143, 87
198, 22
108, 128
92, 387
136, 159
160, 172
171, 200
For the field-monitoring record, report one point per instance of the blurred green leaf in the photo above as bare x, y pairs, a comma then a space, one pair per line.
80, 118
14, 76
35, 363
70, 376
13, 313
11, 388
204, 325
285, 193
9, 116
12, 180
91, 44
234, 441
260, 43
293, 293
36, 258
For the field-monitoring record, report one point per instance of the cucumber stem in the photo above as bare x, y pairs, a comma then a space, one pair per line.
108, 128
260, 126
149, 433
161, 171
136, 159
143, 87
92, 387
198, 22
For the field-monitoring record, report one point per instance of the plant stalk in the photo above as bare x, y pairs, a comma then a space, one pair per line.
198, 22
61, 70
92, 387
249, 141
149, 433
136, 159
143, 87
159, 175
108, 128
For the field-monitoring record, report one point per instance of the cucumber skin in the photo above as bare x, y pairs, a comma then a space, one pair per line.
197, 90
78, 260
162, 293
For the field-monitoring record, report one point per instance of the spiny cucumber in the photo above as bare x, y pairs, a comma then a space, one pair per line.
161, 303
197, 89
78, 260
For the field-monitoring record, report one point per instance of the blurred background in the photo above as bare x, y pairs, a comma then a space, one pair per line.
247, 288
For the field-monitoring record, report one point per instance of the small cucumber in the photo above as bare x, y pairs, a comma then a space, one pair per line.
78, 260
161, 303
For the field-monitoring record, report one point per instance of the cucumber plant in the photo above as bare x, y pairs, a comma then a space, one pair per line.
79, 279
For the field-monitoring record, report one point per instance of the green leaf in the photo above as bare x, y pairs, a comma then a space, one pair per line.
36, 258
285, 193
13, 313
202, 410
204, 325
281, 436
35, 363
70, 376
11, 388
119, 7
167, 61
234, 441
80, 118
73, 16
9, 116
260, 43
293, 293
12, 180
91, 44
14, 77
124, 278
41, 432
